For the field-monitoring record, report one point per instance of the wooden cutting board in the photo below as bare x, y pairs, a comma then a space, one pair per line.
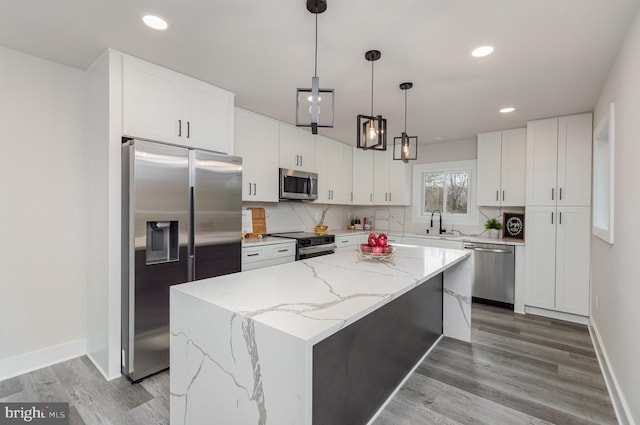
259, 222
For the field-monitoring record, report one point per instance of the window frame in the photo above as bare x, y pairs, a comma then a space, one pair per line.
471, 218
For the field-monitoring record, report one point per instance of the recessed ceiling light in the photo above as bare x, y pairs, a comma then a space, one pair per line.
507, 110
482, 51
155, 22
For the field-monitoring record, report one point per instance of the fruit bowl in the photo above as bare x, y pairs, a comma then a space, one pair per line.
374, 254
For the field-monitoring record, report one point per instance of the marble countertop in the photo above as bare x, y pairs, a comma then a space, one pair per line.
267, 240
464, 238
314, 298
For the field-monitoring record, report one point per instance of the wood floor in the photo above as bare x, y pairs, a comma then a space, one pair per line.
517, 370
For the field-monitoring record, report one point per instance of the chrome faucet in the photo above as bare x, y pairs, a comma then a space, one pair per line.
441, 229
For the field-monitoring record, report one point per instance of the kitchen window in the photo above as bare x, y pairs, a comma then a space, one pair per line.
448, 187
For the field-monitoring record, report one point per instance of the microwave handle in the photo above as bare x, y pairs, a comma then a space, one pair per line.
310, 186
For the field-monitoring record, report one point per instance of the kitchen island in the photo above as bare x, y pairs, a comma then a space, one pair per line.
299, 343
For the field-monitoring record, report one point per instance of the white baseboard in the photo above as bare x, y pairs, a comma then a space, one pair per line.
620, 405
104, 374
567, 317
25, 363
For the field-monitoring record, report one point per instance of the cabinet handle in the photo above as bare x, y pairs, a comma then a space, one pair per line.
560, 217
345, 241
561, 197
249, 188
553, 191
301, 160
253, 255
351, 196
385, 197
283, 250
371, 197
255, 189
503, 195
188, 129
497, 196
332, 194
389, 196
179, 128
551, 218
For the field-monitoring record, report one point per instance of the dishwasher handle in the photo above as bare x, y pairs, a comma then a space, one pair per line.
494, 250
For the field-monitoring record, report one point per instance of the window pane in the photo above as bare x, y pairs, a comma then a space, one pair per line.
433, 192
457, 192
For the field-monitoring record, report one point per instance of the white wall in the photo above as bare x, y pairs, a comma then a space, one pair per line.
43, 213
614, 270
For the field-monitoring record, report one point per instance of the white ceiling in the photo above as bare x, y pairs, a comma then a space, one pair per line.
551, 56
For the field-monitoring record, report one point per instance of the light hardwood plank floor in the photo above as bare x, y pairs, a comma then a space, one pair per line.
517, 370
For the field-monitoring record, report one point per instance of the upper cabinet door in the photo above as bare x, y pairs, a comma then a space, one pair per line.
256, 141
542, 164
574, 160
362, 177
208, 113
512, 181
347, 175
399, 182
152, 101
323, 168
380, 177
489, 168
297, 149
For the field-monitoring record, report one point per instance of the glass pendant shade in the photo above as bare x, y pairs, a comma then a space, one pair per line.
405, 147
372, 132
314, 106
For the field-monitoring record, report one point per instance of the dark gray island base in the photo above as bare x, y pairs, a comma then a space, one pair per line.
356, 369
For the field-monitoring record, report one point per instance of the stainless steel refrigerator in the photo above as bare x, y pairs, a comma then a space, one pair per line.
181, 221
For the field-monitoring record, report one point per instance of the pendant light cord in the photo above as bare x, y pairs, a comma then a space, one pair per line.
315, 70
405, 111
372, 88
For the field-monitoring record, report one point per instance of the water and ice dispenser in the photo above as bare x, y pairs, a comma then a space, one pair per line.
162, 242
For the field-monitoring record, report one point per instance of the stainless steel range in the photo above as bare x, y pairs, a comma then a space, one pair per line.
309, 245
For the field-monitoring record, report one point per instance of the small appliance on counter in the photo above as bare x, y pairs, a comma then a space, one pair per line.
309, 245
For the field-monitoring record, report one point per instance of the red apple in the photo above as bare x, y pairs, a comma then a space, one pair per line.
377, 250
387, 249
382, 240
364, 247
373, 239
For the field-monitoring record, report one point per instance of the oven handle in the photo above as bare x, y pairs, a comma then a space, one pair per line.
317, 248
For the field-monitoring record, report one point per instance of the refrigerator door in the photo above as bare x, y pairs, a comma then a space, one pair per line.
156, 189
217, 201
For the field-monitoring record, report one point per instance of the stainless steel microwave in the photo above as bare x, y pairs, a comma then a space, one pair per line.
298, 185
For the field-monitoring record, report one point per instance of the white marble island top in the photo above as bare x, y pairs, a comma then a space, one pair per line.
314, 298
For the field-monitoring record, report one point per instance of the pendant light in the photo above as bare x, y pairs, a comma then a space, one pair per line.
372, 130
405, 147
308, 99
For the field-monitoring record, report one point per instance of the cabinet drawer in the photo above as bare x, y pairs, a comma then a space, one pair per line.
282, 250
267, 255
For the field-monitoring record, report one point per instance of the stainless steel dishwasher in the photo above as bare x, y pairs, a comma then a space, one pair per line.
493, 273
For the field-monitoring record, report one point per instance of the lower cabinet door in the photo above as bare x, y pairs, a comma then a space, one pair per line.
540, 257
572, 260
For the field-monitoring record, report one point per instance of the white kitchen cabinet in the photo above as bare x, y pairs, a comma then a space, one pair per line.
256, 141
264, 255
329, 166
163, 105
297, 148
557, 258
501, 168
559, 161
391, 180
346, 196
362, 177
350, 242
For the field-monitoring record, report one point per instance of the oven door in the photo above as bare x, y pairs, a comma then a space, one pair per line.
315, 251
298, 185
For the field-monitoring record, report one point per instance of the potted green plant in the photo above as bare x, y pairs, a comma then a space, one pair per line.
494, 227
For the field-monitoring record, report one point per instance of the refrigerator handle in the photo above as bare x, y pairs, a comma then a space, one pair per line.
191, 249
